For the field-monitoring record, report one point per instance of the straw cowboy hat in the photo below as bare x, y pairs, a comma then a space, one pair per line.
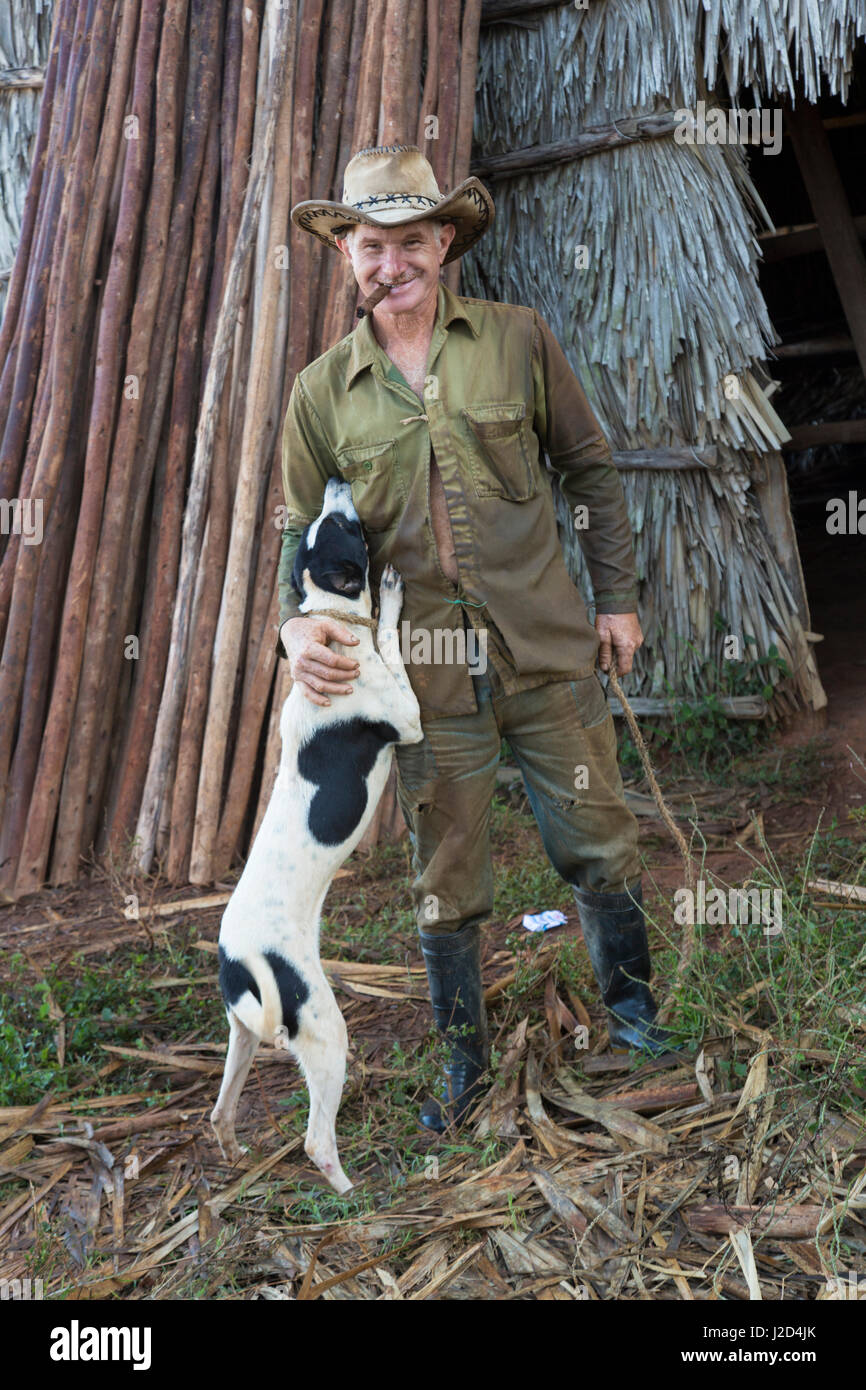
391, 184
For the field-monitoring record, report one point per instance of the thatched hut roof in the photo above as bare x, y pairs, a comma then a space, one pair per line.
768, 44
664, 321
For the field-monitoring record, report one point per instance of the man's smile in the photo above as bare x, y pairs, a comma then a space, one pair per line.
398, 284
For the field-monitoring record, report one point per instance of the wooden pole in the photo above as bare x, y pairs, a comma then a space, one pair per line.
336, 293
75, 310
118, 302
396, 97
151, 357
30, 361
170, 708
161, 499
241, 64
150, 667
465, 113
442, 157
238, 566
429, 97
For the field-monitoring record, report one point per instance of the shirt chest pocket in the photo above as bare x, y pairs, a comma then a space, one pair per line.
377, 493
499, 453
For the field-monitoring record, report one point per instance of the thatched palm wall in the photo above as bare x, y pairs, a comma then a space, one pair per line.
667, 312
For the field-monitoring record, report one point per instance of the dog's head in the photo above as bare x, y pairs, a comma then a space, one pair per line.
332, 555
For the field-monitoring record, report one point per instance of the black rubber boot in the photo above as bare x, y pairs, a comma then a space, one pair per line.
615, 934
454, 973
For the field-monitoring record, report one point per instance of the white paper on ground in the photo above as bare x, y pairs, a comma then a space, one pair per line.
543, 921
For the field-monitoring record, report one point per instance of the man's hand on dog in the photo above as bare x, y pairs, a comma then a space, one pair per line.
620, 633
319, 671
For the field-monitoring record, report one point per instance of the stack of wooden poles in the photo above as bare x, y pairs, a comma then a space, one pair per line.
160, 306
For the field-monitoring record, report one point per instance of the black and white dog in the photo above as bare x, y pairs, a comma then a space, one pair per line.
334, 765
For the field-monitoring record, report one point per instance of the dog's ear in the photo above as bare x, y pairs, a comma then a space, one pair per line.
345, 578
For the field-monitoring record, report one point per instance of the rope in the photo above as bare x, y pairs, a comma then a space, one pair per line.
642, 749
688, 945
344, 617
341, 617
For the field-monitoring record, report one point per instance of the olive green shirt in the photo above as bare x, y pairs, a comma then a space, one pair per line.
499, 396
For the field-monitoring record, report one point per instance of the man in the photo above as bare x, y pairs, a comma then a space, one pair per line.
439, 411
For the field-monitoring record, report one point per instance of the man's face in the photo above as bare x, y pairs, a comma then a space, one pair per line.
408, 253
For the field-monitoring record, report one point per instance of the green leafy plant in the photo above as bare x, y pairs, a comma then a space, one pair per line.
700, 736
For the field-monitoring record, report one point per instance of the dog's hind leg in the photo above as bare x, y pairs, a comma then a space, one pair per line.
239, 1055
322, 1056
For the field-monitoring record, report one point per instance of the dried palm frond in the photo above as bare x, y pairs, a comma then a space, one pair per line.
768, 44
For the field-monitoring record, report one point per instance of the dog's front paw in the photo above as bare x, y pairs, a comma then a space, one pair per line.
391, 582
390, 596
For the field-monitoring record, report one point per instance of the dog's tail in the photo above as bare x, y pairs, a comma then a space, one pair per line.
271, 1004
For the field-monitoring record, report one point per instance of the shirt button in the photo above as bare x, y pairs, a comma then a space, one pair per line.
367, 467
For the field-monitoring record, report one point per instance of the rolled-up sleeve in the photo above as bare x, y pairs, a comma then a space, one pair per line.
306, 457
580, 455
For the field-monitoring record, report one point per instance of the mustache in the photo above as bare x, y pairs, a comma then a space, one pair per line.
367, 305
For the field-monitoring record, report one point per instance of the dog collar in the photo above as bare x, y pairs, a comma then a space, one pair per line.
347, 618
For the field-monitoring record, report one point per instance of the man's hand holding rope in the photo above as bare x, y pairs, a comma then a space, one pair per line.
620, 633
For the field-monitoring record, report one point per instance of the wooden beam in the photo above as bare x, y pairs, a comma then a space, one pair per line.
628, 459
498, 10
842, 122
828, 432
11, 78
770, 484
832, 213
593, 140
800, 240
732, 706
815, 347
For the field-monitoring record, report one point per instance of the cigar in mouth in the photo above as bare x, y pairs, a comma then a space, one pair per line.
368, 305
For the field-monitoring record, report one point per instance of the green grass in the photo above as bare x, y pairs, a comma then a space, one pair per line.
110, 1001
803, 986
